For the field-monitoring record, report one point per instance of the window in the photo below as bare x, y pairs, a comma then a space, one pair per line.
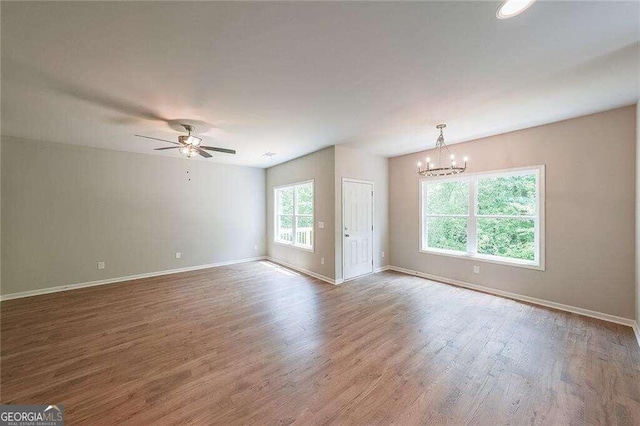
495, 217
294, 215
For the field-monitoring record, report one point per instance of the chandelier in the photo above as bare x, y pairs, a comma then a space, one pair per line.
439, 169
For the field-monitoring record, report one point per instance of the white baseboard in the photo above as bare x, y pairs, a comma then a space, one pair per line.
636, 331
121, 279
515, 296
304, 271
382, 269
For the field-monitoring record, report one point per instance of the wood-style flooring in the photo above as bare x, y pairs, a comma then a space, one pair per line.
255, 343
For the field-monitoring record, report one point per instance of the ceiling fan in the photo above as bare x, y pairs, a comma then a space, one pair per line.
189, 145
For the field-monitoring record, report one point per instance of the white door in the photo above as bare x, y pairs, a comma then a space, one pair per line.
357, 221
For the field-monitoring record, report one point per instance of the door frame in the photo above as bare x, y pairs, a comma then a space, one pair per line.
373, 203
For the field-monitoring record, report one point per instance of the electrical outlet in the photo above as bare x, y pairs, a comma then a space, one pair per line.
322, 260
476, 269
178, 255
321, 225
101, 265
383, 255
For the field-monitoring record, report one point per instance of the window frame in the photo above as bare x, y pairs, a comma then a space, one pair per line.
471, 253
294, 216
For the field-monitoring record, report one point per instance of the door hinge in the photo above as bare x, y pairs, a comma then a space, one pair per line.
372, 193
372, 228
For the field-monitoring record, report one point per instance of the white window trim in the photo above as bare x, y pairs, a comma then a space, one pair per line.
276, 215
538, 264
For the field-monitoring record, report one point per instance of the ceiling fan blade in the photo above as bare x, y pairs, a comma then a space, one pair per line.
157, 139
166, 147
213, 148
205, 154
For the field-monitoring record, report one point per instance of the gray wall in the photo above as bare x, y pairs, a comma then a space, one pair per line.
590, 214
320, 167
66, 207
357, 164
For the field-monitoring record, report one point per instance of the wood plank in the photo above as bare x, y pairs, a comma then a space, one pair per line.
258, 343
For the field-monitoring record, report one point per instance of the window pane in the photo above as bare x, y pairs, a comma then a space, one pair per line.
513, 195
447, 233
285, 229
304, 231
446, 197
285, 200
513, 238
304, 199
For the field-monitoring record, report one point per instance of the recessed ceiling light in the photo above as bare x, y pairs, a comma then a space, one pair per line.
268, 154
511, 8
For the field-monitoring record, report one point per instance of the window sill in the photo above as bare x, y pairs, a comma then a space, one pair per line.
303, 248
485, 258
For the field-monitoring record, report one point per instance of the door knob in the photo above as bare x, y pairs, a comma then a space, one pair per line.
346, 235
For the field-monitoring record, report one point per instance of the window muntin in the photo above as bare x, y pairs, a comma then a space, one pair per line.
490, 216
294, 215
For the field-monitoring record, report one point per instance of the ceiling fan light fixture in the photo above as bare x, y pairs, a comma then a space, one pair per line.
189, 140
188, 151
192, 140
511, 8
189, 145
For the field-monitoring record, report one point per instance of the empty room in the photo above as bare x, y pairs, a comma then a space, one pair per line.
320, 212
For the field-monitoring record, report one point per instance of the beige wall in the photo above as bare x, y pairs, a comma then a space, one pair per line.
66, 207
0, 216
590, 215
356, 164
318, 166
638, 213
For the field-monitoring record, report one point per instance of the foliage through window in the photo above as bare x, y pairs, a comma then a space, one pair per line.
492, 216
294, 215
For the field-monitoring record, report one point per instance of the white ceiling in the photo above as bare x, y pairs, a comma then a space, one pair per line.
295, 77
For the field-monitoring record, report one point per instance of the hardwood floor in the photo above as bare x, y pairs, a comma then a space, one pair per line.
257, 343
